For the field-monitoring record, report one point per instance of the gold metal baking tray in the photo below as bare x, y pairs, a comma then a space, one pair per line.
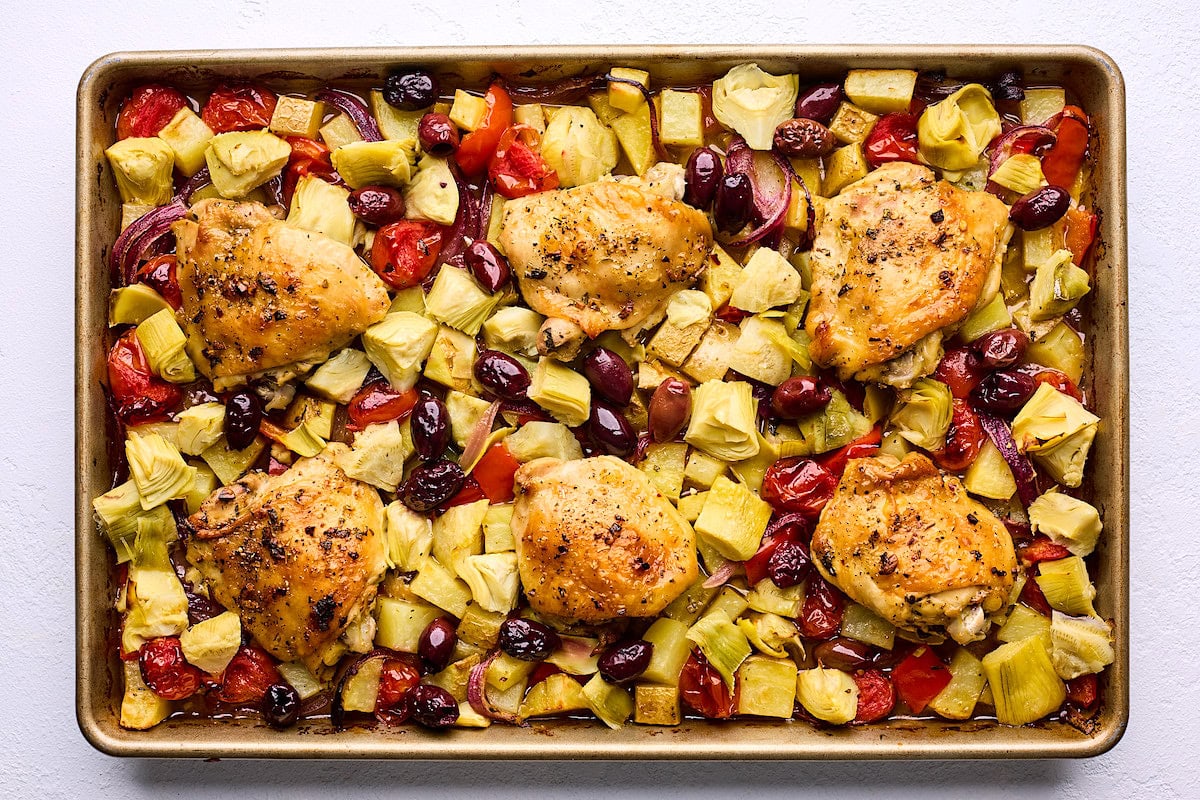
1090, 74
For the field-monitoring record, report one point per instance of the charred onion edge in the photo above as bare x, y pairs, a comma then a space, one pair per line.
141, 234
337, 714
774, 208
477, 693
1002, 151
471, 221
722, 575
479, 436
1001, 436
356, 110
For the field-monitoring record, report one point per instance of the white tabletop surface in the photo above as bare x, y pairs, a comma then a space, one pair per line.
48, 43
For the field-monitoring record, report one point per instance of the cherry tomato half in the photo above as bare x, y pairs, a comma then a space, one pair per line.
477, 147
894, 138
964, 439
798, 484
148, 110
961, 370
159, 273
165, 670
309, 157
865, 445
495, 472
248, 676
399, 676
379, 402
517, 168
704, 690
404, 252
876, 695
821, 613
138, 394
239, 107
919, 678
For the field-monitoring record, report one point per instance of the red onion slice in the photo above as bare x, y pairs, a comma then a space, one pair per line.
721, 576
1040, 136
477, 693
356, 110
1001, 436
471, 221
561, 91
772, 193
194, 184
480, 433
140, 235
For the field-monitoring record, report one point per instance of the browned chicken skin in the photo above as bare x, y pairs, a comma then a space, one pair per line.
911, 545
298, 556
604, 255
259, 293
596, 542
898, 255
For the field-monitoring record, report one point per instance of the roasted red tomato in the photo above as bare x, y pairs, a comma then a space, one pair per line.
398, 677
165, 670
308, 157
961, 370
876, 695
704, 690
495, 472
148, 110
379, 402
894, 138
159, 274
788, 528
1083, 691
138, 394
821, 613
798, 484
964, 439
866, 445
240, 107
919, 678
471, 492
404, 252
248, 676
478, 146
1031, 595
517, 168
1042, 549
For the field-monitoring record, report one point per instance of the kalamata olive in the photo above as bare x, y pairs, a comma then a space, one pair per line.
702, 177
1041, 208
281, 705
1009, 87
788, 565
1000, 349
430, 485
843, 653
431, 706
610, 430
820, 102
487, 264
501, 374
436, 644
378, 205
437, 135
410, 90
609, 375
803, 138
734, 204
430, 428
670, 409
243, 415
1003, 392
626, 660
527, 640
800, 396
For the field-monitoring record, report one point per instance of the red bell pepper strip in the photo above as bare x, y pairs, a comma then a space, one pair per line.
919, 678
495, 471
479, 145
1081, 232
1061, 163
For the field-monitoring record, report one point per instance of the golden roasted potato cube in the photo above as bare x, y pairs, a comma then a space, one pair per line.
652, 373
531, 114
468, 110
339, 131
633, 132
623, 96
295, 116
718, 280
796, 218
691, 505
852, 124
847, 165
132, 212
656, 705
703, 470
710, 360
673, 345
682, 119
188, 136
809, 170
881, 91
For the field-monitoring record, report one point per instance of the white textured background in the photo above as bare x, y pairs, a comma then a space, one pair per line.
45, 47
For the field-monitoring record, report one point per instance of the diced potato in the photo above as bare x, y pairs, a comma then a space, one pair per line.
664, 465
468, 110
295, 116
711, 358
957, 700
682, 119
438, 585
670, 650
864, 625
132, 212
480, 627
847, 165
691, 505
652, 373
610, 703
1038, 247
454, 678
766, 687
362, 688
604, 110
989, 475
1040, 105
400, 623
809, 170
881, 91
339, 131
673, 345
556, 694
656, 705
633, 133
531, 114
702, 469
506, 672
188, 137
851, 124
623, 96
720, 277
